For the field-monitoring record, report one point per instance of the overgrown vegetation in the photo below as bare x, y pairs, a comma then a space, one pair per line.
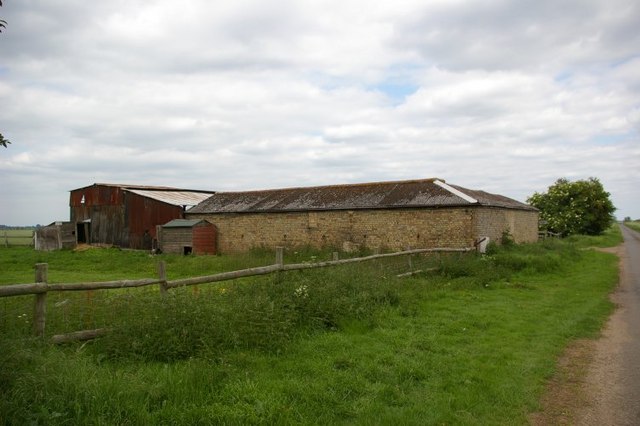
470, 340
635, 225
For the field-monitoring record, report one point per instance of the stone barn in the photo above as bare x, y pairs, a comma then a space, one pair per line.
183, 236
423, 213
127, 215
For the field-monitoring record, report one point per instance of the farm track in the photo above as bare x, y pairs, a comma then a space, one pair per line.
598, 381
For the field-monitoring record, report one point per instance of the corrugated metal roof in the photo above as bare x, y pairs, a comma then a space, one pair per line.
431, 193
174, 197
144, 187
182, 223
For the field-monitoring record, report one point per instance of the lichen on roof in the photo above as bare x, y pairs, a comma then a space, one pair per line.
425, 193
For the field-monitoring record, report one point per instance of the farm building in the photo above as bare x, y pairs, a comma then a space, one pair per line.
127, 215
183, 236
383, 215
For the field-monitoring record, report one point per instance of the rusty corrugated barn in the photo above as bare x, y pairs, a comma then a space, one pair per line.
127, 215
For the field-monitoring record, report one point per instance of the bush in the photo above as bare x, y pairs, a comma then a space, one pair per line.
581, 207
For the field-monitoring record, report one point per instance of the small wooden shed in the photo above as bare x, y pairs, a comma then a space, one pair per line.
55, 236
182, 236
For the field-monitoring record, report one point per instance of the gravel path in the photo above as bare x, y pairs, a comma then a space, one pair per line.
598, 382
613, 379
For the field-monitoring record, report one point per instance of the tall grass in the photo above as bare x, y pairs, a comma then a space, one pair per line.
260, 313
635, 225
470, 340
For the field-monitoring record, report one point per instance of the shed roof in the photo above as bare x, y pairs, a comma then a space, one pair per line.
429, 193
182, 223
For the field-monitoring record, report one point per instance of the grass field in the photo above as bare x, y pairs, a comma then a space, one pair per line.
471, 342
633, 225
16, 237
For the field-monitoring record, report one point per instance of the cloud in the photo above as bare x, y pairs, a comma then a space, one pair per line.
502, 96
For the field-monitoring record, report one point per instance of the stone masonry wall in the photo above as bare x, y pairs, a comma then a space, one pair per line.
492, 222
394, 229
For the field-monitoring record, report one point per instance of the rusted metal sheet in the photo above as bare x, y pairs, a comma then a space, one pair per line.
431, 193
127, 215
142, 214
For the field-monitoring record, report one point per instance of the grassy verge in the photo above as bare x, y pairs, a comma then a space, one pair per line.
470, 343
633, 225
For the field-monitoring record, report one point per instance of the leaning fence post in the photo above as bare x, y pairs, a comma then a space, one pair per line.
40, 307
280, 256
162, 275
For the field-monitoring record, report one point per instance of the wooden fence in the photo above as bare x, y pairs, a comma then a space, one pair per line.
41, 287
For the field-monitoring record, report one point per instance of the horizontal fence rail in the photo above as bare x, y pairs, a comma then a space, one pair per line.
41, 287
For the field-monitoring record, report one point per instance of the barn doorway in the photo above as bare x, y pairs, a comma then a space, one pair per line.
83, 232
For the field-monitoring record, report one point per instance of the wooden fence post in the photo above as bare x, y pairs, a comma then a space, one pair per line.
410, 259
40, 307
280, 256
162, 274
59, 236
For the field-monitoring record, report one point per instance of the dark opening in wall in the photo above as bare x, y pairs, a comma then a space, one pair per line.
187, 250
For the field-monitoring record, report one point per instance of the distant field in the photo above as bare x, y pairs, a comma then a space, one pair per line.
16, 237
633, 225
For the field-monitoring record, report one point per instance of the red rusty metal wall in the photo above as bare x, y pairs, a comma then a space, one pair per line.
142, 214
119, 217
96, 195
204, 238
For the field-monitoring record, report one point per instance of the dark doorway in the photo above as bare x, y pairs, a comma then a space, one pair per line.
83, 232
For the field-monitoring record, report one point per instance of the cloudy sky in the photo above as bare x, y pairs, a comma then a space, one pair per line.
503, 96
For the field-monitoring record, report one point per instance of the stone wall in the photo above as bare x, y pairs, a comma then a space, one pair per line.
389, 229
493, 222
393, 229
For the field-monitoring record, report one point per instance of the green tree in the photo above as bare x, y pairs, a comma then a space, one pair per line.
580, 207
3, 141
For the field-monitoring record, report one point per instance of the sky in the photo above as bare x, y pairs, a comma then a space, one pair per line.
501, 96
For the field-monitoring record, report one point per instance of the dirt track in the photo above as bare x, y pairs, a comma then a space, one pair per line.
598, 382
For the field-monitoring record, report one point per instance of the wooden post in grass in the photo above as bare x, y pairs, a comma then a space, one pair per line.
40, 307
162, 274
280, 256
410, 260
